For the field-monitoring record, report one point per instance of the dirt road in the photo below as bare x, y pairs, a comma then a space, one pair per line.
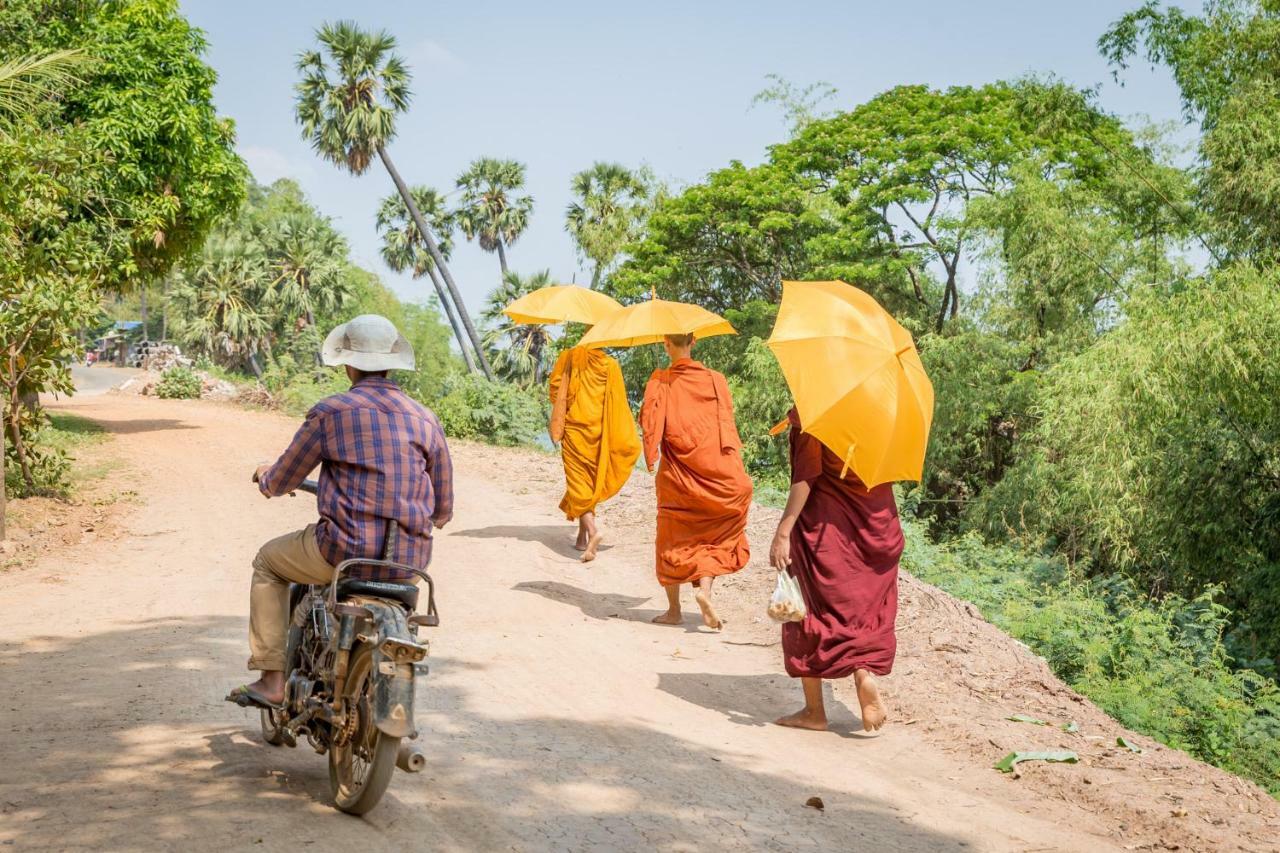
555, 718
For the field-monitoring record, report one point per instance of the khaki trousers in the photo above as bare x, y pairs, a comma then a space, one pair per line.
291, 558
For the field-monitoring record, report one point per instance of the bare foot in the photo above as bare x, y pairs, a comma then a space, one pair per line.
709, 617
804, 719
669, 618
593, 545
270, 688
873, 712
580, 545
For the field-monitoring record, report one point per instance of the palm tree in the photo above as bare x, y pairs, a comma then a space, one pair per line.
490, 210
305, 258
608, 206
351, 91
403, 248
28, 80
218, 302
519, 350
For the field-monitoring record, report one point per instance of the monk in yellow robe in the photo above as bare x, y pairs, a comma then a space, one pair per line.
592, 422
703, 489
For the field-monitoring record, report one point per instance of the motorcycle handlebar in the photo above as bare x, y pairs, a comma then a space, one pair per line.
304, 486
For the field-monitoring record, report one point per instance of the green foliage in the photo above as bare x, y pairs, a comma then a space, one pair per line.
402, 246
170, 168
41, 467
1224, 62
178, 383
350, 93
216, 304
519, 352
724, 242
610, 203
1158, 451
491, 210
1159, 667
497, 412
799, 105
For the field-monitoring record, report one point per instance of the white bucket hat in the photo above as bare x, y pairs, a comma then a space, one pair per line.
370, 343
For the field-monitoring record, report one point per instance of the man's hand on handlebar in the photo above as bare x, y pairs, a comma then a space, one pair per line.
259, 471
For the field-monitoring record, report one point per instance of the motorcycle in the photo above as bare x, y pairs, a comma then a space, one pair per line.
351, 661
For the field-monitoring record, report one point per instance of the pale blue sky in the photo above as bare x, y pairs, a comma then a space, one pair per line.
560, 84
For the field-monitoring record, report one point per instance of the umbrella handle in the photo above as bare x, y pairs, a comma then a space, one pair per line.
848, 461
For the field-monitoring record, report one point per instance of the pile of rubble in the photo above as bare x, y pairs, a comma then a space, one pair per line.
211, 387
158, 358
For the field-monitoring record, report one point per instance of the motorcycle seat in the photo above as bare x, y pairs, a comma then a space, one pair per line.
405, 593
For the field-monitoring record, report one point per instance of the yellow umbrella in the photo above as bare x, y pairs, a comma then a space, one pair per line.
856, 378
562, 303
648, 322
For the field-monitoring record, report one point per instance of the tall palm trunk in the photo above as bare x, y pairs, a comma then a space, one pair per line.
595, 277
311, 324
502, 260
434, 249
142, 297
453, 319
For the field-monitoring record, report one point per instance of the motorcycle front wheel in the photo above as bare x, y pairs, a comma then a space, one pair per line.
361, 768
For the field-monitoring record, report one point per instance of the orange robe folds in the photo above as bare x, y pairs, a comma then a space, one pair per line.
597, 435
704, 492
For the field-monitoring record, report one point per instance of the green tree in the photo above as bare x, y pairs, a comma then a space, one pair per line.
307, 260
51, 260
726, 241
403, 247
1157, 452
609, 205
352, 89
491, 210
1225, 64
520, 350
900, 173
146, 100
222, 303
800, 105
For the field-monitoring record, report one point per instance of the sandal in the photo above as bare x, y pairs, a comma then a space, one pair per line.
246, 697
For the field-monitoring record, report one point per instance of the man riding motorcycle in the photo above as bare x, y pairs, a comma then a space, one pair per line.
384, 461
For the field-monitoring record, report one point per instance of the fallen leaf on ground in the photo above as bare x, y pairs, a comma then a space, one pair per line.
1129, 746
1024, 718
1006, 764
1071, 727
815, 803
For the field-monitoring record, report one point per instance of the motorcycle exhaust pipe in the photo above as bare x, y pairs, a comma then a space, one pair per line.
411, 758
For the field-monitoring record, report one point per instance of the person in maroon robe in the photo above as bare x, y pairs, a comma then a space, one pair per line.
841, 541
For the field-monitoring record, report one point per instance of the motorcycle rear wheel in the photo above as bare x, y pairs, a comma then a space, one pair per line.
272, 726
361, 769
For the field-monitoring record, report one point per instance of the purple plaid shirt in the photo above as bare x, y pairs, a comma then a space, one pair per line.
383, 458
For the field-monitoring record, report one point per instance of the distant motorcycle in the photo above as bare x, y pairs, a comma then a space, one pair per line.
350, 663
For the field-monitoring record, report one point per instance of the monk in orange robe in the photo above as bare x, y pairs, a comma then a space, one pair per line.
704, 492
591, 420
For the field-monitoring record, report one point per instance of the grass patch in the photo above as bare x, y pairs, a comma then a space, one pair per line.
1158, 666
76, 437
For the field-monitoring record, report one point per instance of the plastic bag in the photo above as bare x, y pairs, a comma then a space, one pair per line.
787, 603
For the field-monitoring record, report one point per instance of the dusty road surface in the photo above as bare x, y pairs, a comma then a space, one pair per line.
100, 378
555, 718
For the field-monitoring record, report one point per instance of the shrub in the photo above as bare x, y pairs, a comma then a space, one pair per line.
178, 383
496, 412
1159, 667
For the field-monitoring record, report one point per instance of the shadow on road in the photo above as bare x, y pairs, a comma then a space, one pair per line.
557, 537
120, 740
755, 700
134, 425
